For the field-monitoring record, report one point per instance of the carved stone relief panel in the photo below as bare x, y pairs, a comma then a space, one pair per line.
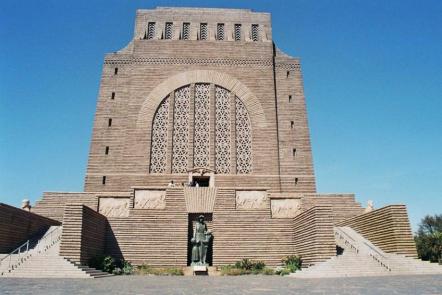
114, 207
249, 200
285, 208
150, 199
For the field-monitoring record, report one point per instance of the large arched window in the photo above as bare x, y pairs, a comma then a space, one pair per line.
208, 126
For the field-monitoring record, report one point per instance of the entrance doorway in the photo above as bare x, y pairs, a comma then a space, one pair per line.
202, 181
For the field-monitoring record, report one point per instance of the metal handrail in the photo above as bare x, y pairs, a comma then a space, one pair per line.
373, 251
27, 244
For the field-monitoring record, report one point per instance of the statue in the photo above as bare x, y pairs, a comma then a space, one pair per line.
26, 205
200, 242
369, 207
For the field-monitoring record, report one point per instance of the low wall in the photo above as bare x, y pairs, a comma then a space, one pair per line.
387, 227
313, 235
83, 235
17, 226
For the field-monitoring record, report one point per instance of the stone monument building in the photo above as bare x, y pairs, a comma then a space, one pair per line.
202, 114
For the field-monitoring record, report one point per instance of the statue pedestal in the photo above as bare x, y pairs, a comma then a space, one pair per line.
200, 270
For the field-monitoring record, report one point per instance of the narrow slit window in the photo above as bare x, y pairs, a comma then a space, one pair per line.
103, 180
113, 95
296, 180
288, 74
220, 32
237, 32
255, 32
290, 98
150, 31
168, 31
203, 31
294, 152
292, 124
115, 71
106, 151
109, 122
186, 31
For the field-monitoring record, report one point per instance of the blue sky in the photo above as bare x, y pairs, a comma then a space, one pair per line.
373, 84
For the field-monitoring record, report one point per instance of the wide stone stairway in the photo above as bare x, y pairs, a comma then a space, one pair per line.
42, 260
362, 258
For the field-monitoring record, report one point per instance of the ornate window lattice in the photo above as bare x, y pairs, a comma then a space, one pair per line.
222, 130
181, 130
186, 31
203, 31
226, 116
201, 140
243, 139
220, 32
150, 31
255, 32
168, 31
159, 138
237, 32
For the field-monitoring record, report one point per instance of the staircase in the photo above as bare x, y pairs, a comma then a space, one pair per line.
42, 260
362, 258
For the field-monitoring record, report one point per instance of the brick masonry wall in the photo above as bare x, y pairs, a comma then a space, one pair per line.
387, 227
17, 226
313, 235
83, 235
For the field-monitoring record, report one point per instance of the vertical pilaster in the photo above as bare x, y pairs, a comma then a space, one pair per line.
232, 133
170, 132
212, 120
191, 126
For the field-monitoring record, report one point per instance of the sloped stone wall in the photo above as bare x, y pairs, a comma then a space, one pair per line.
17, 226
387, 227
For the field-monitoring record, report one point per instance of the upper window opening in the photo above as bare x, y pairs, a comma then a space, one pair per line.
113, 95
292, 124
255, 32
168, 33
186, 31
288, 74
237, 32
109, 122
150, 31
203, 31
106, 150
220, 32
115, 71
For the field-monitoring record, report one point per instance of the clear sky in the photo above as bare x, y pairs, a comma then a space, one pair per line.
373, 84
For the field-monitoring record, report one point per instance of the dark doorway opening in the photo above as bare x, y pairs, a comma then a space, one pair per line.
192, 218
203, 181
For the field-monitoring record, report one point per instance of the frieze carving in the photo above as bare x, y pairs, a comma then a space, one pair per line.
202, 61
114, 207
250, 200
285, 208
150, 199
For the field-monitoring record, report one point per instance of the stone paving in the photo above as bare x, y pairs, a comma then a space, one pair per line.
224, 285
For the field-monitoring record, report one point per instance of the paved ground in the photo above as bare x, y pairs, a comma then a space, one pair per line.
224, 285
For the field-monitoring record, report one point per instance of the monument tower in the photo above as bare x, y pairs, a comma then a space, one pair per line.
202, 114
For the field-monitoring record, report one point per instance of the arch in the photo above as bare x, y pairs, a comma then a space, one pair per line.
155, 97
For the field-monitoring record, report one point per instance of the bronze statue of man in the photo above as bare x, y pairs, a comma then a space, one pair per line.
200, 242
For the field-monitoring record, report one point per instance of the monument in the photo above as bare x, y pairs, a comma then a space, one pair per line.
204, 96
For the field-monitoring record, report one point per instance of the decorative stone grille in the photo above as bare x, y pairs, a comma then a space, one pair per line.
159, 138
255, 32
237, 32
150, 30
224, 118
168, 31
186, 31
202, 126
243, 139
203, 31
220, 32
181, 130
222, 130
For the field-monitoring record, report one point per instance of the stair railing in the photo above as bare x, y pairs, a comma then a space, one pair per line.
362, 244
24, 250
